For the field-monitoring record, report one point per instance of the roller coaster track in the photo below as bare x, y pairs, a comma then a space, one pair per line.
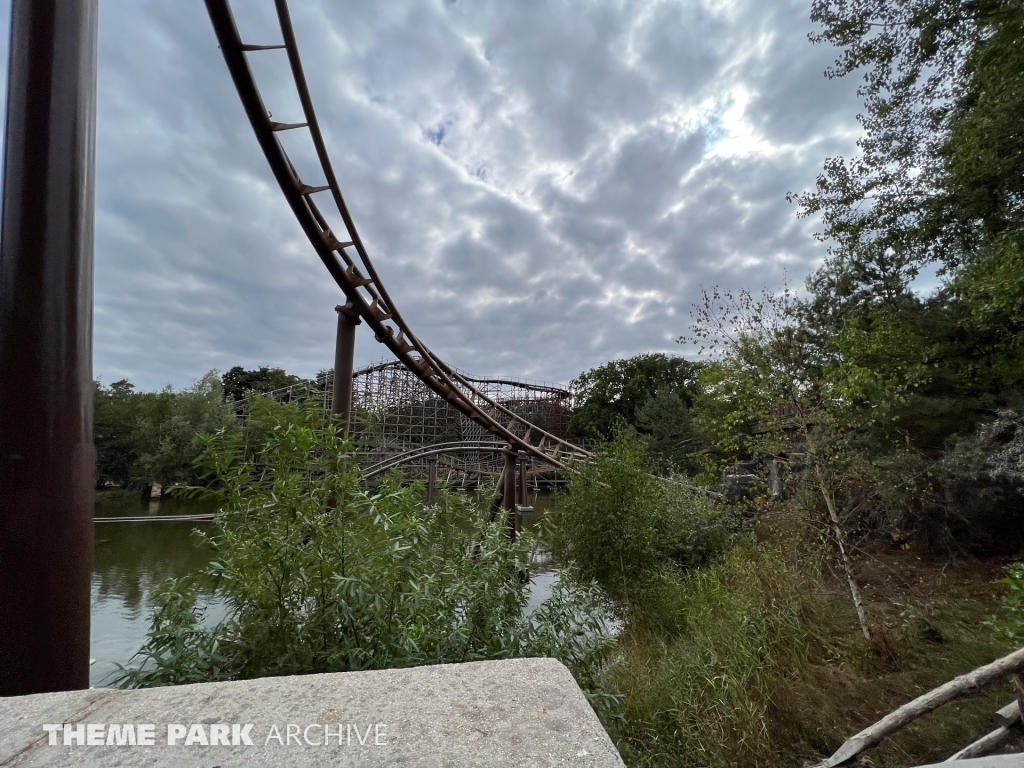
436, 449
354, 272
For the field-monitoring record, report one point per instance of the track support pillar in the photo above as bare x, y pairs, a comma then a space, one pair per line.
524, 493
344, 359
508, 496
47, 459
431, 479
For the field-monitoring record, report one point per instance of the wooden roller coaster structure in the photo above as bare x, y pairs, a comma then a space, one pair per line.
397, 421
346, 258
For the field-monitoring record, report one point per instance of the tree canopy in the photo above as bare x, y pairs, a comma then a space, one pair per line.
611, 395
238, 381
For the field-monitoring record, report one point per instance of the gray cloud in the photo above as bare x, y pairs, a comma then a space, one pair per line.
543, 186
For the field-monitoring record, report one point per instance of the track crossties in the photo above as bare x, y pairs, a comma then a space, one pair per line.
342, 252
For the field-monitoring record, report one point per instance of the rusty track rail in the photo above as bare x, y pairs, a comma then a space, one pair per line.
434, 449
354, 272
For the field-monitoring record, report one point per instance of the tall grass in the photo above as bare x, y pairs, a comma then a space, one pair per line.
710, 694
744, 649
767, 669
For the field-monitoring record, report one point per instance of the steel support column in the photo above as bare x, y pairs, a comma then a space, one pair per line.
344, 359
524, 493
47, 460
508, 496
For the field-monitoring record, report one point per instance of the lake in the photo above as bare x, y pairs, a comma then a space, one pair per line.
131, 559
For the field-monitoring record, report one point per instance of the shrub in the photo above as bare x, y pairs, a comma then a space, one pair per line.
981, 479
1009, 626
320, 575
627, 530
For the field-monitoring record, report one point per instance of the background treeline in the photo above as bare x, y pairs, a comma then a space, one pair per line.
147, 437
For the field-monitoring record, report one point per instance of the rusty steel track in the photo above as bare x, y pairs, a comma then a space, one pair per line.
437, 449
433, 449
347, 260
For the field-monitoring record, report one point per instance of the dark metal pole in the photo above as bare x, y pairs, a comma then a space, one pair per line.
508, 498
344, 359
524, 494
47, 460
431, 478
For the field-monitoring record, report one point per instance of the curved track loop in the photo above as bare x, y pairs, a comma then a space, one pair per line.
435, 449
356, 276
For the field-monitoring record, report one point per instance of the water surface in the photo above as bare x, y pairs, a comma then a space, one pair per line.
131, 559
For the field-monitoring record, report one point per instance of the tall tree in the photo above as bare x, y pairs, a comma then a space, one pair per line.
115, 416
611, 394
168, 436
939, 180
238, 381
939, 169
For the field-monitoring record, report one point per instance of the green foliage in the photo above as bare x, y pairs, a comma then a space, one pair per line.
939, 171
709, 693
237, 381
167, 437
1009, 625
670, 435
983, 154
114, 423
142, 437
320, 575
939, 180
611, 395
765, 665
628, 531
763, 391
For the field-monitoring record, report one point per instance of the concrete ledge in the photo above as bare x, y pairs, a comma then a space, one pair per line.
522, 712
995, 761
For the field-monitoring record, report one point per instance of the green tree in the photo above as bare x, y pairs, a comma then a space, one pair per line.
610, 395
939, 179
115, 417
169, 428
769, 392
237, 381
671, 437
939, 172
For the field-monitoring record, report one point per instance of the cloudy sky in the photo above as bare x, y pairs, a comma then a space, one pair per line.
543, 186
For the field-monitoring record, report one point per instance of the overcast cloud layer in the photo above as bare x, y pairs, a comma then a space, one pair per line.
543, 186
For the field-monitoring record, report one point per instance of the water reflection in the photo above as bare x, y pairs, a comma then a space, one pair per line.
130, 560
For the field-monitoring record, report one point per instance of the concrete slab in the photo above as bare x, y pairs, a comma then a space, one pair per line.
994, 761
521, 712
21, 717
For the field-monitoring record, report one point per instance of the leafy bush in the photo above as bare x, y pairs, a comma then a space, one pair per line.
320, 575
1009, 626
981, 479
626, 529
